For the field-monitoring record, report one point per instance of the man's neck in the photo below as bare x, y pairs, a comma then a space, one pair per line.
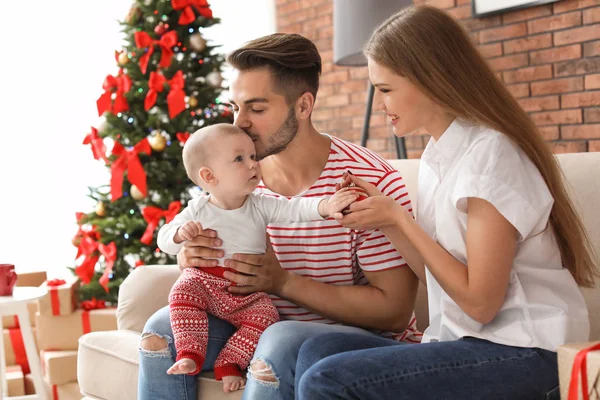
295, 169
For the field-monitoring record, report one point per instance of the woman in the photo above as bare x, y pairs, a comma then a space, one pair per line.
497, 242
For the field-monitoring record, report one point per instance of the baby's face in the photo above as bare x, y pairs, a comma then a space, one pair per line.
235, 166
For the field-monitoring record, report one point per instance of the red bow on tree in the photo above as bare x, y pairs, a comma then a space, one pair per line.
188, 16
182, 136
128, 160
119, 84
166, 42
176, 96
152, 215
93, 304
98, 147
110, 256
92, 250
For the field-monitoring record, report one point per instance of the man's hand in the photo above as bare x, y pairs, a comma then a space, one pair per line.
200, 251
256, 273
187, 231
333, 206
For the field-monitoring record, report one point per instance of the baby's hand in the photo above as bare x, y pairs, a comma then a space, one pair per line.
187, 231
333, 206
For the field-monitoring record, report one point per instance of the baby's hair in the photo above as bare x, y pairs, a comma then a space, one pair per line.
197, 150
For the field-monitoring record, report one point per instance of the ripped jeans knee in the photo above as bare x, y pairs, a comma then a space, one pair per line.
154, 345
261, 371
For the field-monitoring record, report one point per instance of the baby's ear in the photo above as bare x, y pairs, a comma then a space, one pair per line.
206, 176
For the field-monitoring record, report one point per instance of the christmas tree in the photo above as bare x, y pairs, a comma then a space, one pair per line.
166, 86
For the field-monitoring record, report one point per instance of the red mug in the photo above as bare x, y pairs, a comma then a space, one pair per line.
8, 278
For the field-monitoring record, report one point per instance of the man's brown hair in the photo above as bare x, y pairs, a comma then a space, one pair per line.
293, 59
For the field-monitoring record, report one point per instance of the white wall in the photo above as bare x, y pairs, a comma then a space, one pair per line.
55, 58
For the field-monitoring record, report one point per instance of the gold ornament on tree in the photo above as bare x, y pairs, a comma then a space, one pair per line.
157, 141
214, 79
193, 102
123, 58
100, 211
133, 15
136, 193
197, 42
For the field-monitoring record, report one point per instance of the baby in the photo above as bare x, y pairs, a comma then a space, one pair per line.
221, 159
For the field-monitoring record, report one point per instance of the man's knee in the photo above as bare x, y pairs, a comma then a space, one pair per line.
260, 371
153, 342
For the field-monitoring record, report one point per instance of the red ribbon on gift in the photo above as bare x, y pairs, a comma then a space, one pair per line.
128, 160
182, 136
139, 263
54, 299
85, 322
97, 144
188, 16
152, 215
176, 96
16, 341
166, 43
580, 369
93, 304
119, 84
110, 256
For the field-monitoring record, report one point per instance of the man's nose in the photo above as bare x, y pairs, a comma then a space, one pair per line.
241, 120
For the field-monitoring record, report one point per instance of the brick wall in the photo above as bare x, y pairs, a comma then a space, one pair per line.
549, 56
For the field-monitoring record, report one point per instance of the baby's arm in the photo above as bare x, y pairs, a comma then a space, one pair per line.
171, 237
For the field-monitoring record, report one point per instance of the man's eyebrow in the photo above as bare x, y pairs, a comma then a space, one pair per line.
253, 100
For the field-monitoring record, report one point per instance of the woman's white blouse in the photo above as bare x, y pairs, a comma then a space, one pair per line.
543, 306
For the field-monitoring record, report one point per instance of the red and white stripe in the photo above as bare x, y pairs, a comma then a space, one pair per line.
326, 251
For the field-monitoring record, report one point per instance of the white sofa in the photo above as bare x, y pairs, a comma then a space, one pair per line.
108, 361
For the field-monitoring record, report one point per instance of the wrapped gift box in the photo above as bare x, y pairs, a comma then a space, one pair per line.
566, 357
63, 333
31, 278
11, 321
29, 386
59, 367
15, 381
14, 349
61, 297
68, 391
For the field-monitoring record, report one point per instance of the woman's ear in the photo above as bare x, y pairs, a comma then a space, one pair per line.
207, 177
304, 105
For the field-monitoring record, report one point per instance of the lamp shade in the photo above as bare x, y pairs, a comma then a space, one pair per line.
353, 23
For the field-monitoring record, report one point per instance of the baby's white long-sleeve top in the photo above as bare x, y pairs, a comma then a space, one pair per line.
242, 230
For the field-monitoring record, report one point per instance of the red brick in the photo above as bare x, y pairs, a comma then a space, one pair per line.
460, 13
528, 43
569, 5
528, 13
414, 154
557, 117
288, 8
441, 3
591, 16
490, 50
576, 35
475, 24
568, 147
337, 100
335, 77
325, 90
377, 144
463, 2
594, 145
556, 54
591, 131
322, 114
519, 90
531, 104
326, 32
502, 33
414, 142
352, 110
528, 74
582, 99
563, 85
549, 132
554, 22
352, 86
359, 73
509, 62
577, 67
591, 49
592, 82
380, 132
358, 98
591, 115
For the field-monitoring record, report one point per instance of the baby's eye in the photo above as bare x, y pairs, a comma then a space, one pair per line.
238, 159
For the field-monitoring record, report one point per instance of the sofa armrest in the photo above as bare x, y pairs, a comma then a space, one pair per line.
144, 291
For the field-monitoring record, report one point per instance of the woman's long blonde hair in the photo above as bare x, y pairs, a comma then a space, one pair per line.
425, 45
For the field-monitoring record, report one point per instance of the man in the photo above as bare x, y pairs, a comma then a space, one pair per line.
318, 273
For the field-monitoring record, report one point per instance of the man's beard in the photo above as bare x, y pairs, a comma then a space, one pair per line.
282, 138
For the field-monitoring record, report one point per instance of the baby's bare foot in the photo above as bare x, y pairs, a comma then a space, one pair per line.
233, 383
183, 366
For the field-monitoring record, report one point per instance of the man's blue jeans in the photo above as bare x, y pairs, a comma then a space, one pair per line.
348, 366
153, 382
